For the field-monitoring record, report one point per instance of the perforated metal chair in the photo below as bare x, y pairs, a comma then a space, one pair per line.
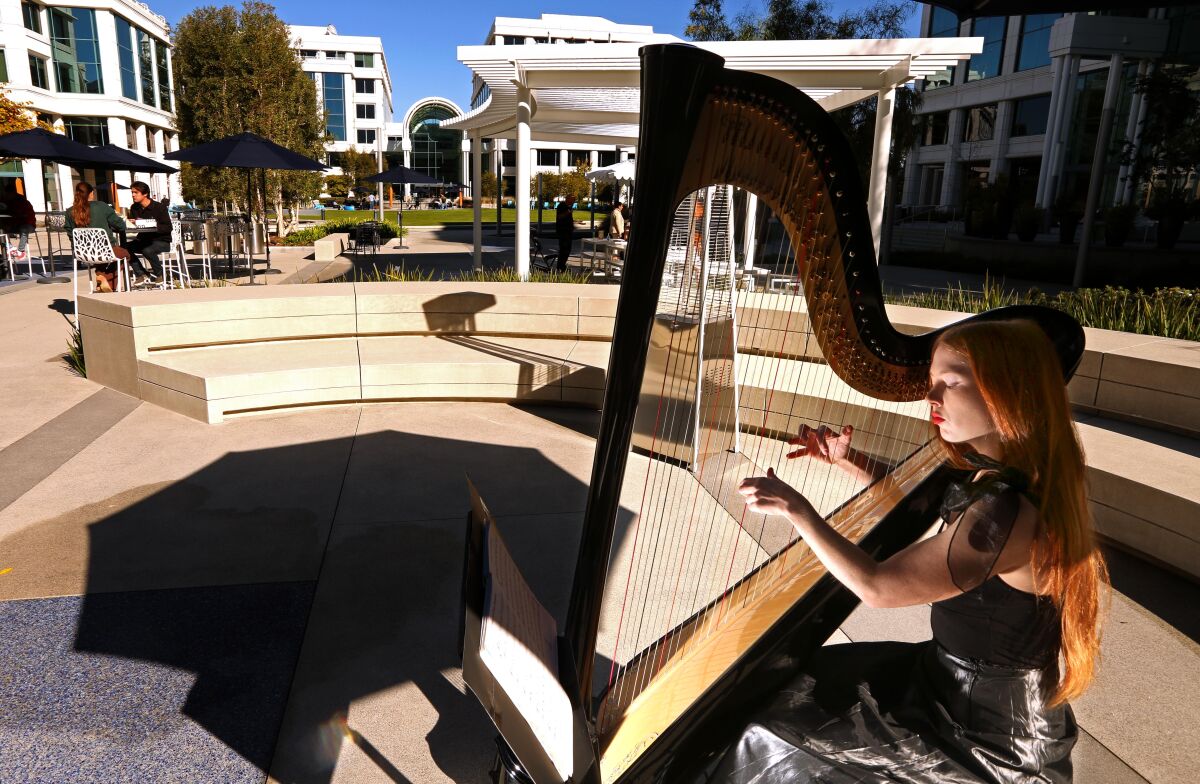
174, 263
92, 248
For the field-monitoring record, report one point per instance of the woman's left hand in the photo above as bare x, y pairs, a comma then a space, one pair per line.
771, 495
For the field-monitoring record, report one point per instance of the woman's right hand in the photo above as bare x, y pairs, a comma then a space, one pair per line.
823, 443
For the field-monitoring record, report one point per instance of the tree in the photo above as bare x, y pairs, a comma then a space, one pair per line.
812, 20
14, 116
487, 185
707, 22
236, 71
358, 166
339, 185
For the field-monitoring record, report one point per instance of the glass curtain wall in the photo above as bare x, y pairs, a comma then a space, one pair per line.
942, 24
164, 76
129, 82
146, 62
986, 64
1033, 51
333, 87
75, 48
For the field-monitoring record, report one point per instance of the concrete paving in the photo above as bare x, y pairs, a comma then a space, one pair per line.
312, 560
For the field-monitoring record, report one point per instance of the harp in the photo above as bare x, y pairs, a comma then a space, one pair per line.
686, 610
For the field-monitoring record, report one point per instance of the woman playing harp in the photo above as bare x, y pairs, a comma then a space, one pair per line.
1014, 577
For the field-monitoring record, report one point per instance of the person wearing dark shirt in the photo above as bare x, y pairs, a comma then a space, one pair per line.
1014, 577
22, 220
564, 229
151, 241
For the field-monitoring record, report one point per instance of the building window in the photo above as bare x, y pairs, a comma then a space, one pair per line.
31, 14
164, 76
937, 129
125, 57
578, 157
334, 90
1033, 50
1030, 115
37, 72
508, 157
987, 63
942, 24
3, 66
514, 40
151, 145
547, 157
76, 50
335, 55
364, 111
131, 135
92, 131
364, 86
981, 123
366, 135
308, 54
146, 64
607, 157
364, 60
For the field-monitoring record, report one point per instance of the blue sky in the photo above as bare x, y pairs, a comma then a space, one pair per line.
421, 39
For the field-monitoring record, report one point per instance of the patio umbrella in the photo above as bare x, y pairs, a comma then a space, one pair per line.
618, 172
128, 160
247, 151
40, 144
967, 9
402, 175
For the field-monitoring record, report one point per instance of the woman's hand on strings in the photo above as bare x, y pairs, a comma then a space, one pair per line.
823, 444
771, 495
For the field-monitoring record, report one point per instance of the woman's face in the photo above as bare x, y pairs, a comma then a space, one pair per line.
957, 408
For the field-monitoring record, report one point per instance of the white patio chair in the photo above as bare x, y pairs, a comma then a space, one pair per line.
196, 232
174, 261
91, 248
29, 260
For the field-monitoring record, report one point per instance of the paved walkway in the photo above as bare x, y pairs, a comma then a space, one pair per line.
276, 598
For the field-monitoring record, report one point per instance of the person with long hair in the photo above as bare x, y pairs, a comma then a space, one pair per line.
1014, 577
89, 212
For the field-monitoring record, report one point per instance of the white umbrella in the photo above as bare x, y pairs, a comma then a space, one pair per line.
618, 172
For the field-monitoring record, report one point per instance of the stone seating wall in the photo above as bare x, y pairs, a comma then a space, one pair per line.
214, 353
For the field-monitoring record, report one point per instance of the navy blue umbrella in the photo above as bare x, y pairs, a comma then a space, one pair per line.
247, 151
128, 160
402, 175
40, 144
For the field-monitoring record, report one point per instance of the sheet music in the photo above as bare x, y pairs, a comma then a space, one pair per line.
519, 646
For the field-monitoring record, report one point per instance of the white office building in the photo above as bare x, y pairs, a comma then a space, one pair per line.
548, 155
354, 88
101, 74
1029, 104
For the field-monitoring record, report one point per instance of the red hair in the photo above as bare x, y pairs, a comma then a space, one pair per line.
1020, 377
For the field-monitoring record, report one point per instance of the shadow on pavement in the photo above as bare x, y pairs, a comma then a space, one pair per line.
199, 581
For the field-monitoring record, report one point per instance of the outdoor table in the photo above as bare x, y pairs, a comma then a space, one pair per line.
54, 221
610, 250
226, 227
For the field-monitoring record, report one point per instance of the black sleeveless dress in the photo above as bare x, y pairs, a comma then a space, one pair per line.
970, 705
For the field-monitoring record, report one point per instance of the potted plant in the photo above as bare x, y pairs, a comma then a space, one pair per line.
1171, 209
1027, 222
1118, 224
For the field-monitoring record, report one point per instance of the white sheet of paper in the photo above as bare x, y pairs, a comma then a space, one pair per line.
519, 646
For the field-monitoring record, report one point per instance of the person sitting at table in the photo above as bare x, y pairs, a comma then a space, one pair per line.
22, 221
151, 241
90, 212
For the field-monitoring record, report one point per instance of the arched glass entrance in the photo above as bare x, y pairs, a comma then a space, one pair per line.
435, 152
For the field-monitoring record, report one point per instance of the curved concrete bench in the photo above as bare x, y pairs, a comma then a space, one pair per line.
212, 353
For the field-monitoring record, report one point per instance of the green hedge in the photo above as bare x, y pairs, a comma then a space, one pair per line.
1165, 312
313, 233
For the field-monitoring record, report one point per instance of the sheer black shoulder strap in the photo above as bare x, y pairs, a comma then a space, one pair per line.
982, 515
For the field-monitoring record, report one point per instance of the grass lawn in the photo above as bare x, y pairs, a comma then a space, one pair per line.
454, 217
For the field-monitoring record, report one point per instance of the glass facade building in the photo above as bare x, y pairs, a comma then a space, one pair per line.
987, 63
129, 81
164, 76
145, 46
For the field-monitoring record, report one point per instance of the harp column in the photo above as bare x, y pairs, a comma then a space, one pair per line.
880, 157
477, 199
521, 246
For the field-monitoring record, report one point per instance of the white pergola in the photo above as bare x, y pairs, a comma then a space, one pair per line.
590, 93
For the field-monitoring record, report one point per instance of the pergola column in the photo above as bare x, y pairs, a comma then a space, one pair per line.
521, 246
477, 199
880, 154
749, 240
